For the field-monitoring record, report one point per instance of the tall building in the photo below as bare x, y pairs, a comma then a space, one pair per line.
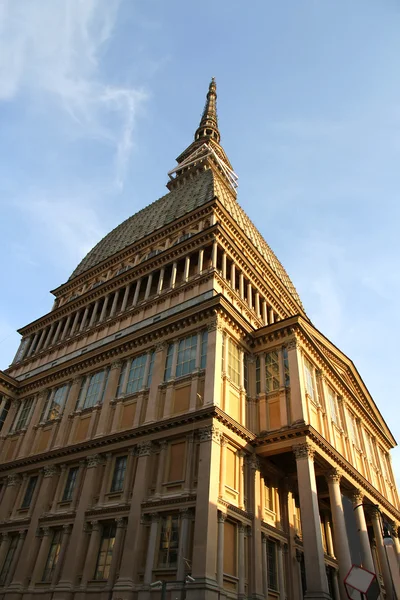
177, 418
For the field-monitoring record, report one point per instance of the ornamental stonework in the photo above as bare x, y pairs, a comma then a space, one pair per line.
303, 451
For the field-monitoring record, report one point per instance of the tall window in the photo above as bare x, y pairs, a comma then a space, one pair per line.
30, 488
269, 496
52, 556
133, 372
70, 484
187, 349
119, 474
272, 566
272, 371
354, 430
333, 406
23, 415
151, 367
234, 360
258, 375
55, 403
169, 542
187, 356
8, 559
4, 413
92, 389
309, 380
104, 557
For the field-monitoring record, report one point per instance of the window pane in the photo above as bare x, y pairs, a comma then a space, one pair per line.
70, 484
272, 569
119, 474
95, 389
29, 492
104, 557
272, 371
204, 342
24, 413
286, 367
168, 362
52, 557
186, 362
169, 542
233, 362
136, 373
8, 559
309, 380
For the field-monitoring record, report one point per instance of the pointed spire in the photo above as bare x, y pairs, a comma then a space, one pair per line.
208, 127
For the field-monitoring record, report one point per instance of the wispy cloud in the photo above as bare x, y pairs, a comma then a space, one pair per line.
54, 49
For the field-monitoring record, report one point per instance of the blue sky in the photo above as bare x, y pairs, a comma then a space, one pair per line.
98, 97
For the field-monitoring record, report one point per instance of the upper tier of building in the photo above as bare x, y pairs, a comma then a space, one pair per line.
193, 183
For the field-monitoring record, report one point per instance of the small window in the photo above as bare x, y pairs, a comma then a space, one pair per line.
104, 557
119, 474
26, 502
169, 542
4, 413
52, 556
70, 484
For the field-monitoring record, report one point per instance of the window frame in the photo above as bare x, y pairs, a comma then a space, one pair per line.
88, 384
29, 492
52, 556
171, 543
119, 474
51, 403
70, 484
107, 528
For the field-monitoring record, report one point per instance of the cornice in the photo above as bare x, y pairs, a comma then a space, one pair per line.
153, 505
8, 384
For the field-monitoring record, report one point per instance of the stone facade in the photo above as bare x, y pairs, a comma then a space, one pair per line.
177, 418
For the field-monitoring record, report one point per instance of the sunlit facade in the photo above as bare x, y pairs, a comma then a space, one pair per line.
177, 418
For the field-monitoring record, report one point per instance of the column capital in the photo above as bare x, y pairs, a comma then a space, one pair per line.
223, 441
305, 450
161, 346
253, 462
334, 475
116, 364
120, 522
45, 531
12, 479
155, 517
293, 344
66, 529
221, 517
95, 525
264, 537
93, 461
144, 448
163, 445
209, 433
299, 555
357, 497
49, 471
185, 512
241, 527
4, 536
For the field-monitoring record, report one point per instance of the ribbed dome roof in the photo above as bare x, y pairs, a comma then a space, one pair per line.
194, 193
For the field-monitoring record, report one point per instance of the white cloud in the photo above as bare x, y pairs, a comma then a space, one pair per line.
54, 48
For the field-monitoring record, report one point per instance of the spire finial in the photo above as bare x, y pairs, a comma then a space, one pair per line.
208, 127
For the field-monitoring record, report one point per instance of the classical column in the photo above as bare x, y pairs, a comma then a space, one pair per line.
104, 308
342, 550
148, 286
241, 562
335, 584
91, 554
271, 316
84, 319
205, 530
185, 515
250, 295
109, 395
328, 535
114, 304
214, 255
241, 285
257, 304
224, 265
125, 298
41, 339
137, 291
151, 548
57, 333
222, 469
241, 455
189, 462
358, 508
33, 344
212, 383
265, 564
187, 268
297, 391
21, 491
264, 312
158, 370
73, 559
161, 467
75, 322
254, 507
49, 336
9, 496
94, 314
132, 548
66, 327
383, 560
233, 276
317, 584
5, 542
78, 483
161, 280
173, 275
200, 261
220, 549
42, 555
